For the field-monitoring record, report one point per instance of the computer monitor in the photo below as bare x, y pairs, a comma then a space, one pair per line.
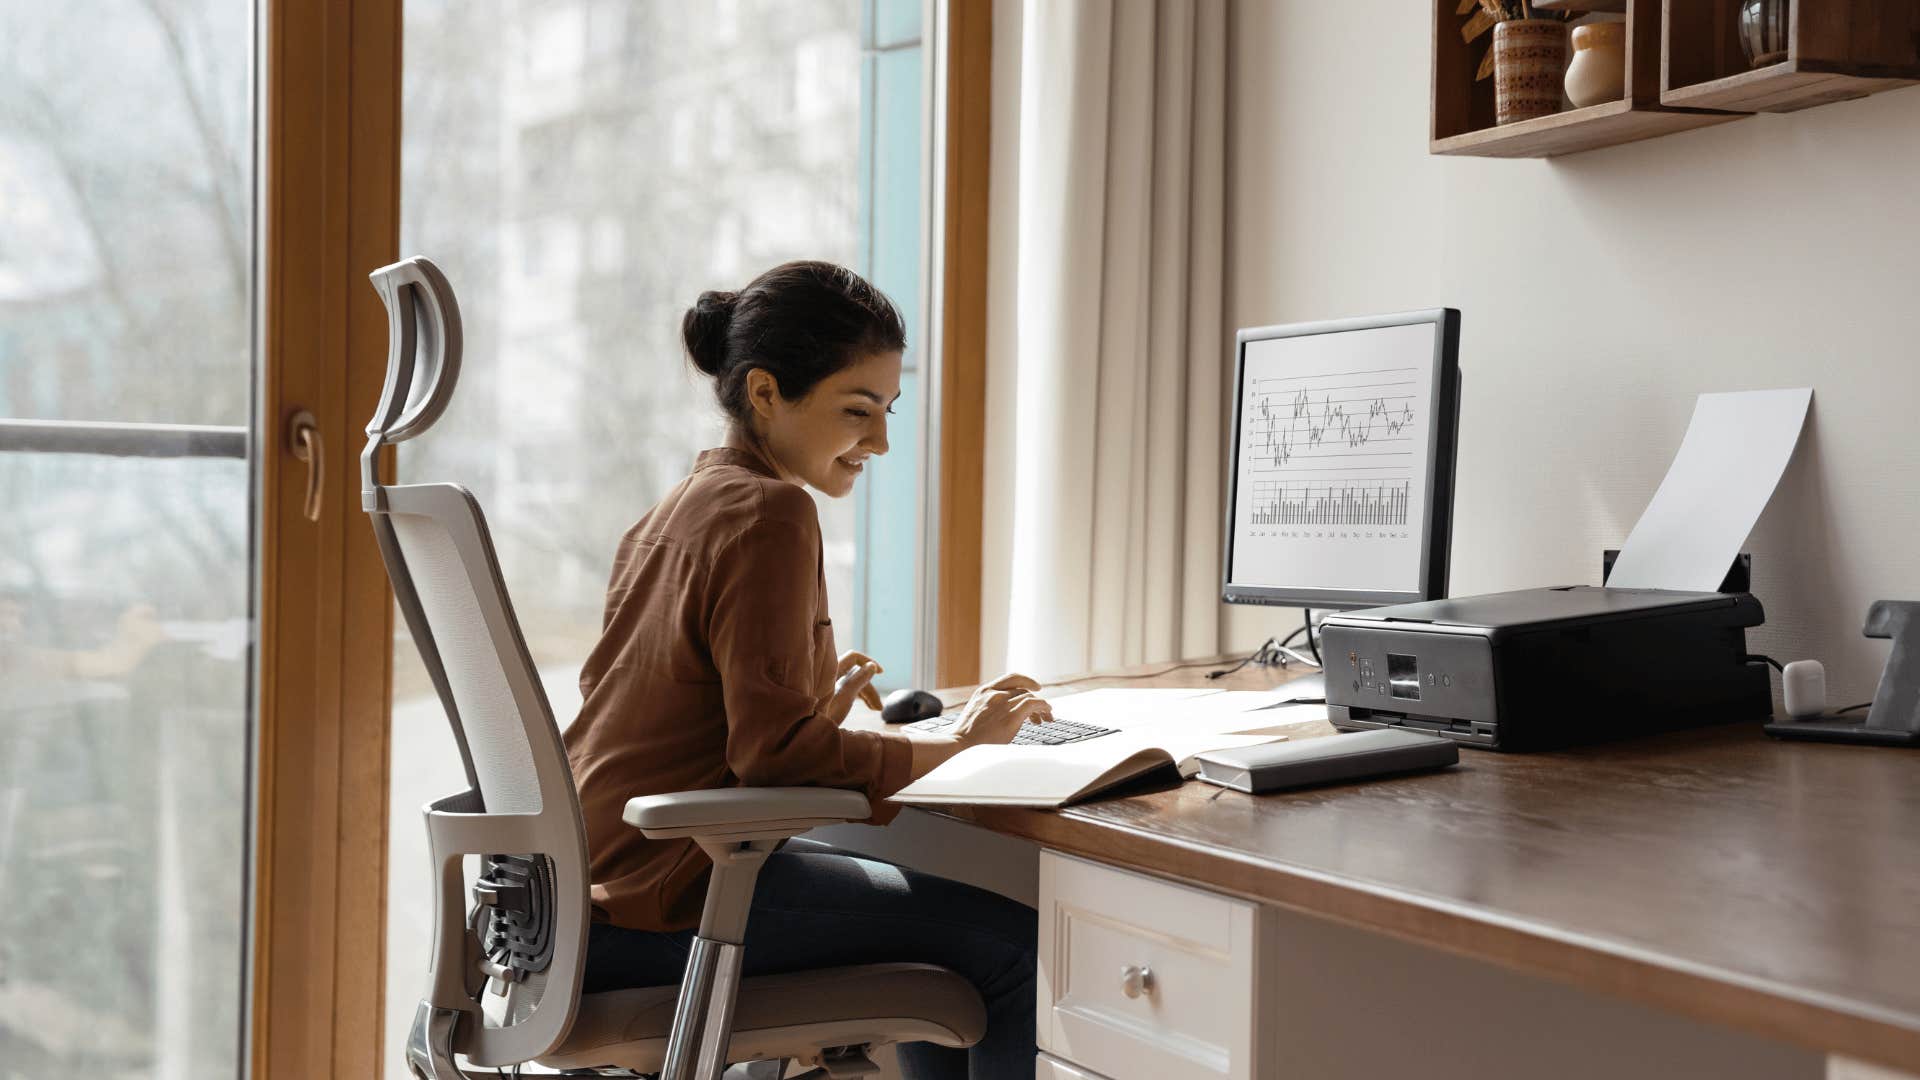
1341, 489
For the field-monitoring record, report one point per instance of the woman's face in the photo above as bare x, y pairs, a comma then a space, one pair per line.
824, 438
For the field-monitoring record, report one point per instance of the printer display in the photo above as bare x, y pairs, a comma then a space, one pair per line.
1543, 668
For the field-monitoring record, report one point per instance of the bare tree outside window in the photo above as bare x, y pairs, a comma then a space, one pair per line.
125, 293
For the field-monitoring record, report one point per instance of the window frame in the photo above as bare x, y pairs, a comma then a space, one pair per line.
327, 115
961, 104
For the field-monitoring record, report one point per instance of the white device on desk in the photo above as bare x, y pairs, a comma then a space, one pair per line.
1340, 490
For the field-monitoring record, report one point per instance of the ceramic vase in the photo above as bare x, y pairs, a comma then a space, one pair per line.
1763, 31
1529, 59
1599, 69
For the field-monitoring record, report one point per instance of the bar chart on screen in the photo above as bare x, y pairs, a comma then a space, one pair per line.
1360, 502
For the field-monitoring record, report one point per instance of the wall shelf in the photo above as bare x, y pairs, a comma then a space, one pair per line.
1462, 118
1837, 50
1574, 130
1617, 7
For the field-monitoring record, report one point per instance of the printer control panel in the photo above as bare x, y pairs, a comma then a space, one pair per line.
1413, 678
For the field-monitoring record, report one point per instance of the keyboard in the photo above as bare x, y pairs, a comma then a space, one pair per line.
1030, 733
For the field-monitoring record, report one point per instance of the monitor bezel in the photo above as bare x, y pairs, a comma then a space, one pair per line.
1441, 446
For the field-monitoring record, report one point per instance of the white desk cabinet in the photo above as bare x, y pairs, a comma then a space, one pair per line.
1048, 1067
1141, 979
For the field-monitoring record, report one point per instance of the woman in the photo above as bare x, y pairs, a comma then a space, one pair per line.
716, 668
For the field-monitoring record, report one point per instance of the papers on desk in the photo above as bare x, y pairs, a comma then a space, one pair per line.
1157, 728
1222, 712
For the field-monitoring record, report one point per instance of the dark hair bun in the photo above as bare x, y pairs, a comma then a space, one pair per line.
705, 330
798, 322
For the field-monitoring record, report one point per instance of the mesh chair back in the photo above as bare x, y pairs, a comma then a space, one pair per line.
526, 933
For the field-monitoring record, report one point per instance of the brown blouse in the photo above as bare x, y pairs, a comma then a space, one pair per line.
715, 663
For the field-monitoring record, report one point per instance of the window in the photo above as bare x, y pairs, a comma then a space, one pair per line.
126, 496
749, 133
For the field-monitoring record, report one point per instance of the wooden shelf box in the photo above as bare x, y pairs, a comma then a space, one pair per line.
1836, 50
1463, 109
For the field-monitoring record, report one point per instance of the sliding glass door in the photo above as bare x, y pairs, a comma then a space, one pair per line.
126, 495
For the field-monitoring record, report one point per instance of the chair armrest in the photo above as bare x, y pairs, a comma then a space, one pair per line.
744, 813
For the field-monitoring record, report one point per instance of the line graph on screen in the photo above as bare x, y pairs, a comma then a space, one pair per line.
1331, 448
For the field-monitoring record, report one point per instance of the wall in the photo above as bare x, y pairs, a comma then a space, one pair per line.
1600, 292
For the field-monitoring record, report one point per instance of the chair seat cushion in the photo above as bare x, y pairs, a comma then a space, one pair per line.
780, 1016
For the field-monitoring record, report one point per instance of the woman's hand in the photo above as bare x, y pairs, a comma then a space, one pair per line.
854, 679
995, 711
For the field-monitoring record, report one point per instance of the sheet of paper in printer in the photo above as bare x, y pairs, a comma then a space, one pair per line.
1735, 450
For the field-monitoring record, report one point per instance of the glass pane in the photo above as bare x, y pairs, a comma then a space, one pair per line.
887, 614
123, 733
582, 170
126, 204
125, 614
895, 22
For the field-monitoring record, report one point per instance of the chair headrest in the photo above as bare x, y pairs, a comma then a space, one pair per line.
423, 348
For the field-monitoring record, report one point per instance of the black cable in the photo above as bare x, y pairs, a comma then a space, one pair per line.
1140, 675
1266, 655
1854, 708
1312, 645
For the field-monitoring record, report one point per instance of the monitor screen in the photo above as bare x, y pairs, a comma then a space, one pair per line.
1342, 461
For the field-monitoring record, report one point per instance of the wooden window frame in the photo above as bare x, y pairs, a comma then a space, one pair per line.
964, 144
328, 103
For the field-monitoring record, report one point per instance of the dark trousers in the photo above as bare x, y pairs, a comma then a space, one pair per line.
814, 907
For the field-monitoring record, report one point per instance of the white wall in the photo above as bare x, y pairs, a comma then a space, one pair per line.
1601, 292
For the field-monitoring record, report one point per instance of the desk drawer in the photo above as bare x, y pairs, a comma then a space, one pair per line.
1142, 979
1048, 1067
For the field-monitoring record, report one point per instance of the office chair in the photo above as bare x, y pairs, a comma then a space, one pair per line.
503, 987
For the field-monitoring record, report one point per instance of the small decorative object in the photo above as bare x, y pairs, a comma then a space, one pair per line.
1599, 69
1528, 57
1529, 60
1763, 31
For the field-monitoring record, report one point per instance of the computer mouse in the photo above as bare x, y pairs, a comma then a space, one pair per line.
906, 706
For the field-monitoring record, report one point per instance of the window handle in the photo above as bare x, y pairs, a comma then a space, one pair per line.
303, 439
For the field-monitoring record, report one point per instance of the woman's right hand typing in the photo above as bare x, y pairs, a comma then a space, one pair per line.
996, 710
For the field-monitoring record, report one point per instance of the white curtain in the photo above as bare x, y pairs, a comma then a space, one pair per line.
1120, 367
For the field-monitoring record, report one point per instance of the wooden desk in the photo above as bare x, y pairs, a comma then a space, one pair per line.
1717, 874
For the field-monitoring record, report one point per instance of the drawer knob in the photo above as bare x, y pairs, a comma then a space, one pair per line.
1136, 979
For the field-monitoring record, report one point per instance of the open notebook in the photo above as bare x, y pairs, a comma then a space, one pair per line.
1149, 739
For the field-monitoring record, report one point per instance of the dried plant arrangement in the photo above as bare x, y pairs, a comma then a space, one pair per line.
1482, 15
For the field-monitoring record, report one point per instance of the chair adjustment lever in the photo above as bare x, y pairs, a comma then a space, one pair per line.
506, 895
